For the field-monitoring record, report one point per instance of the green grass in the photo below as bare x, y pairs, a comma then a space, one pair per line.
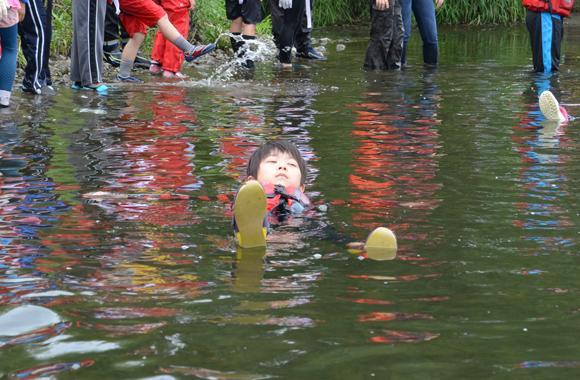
62, 30
477, 12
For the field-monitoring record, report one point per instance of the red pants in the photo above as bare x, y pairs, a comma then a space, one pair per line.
136, 15
164, 51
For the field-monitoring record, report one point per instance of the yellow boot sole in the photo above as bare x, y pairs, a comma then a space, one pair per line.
381, 244
250, 210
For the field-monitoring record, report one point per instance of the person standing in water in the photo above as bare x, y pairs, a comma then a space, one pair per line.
424, 11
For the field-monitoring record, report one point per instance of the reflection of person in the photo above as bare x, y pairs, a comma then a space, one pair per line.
86, 64
136, 16
302, 41
166, 57
424, 11
245, 14
12, 12
35, 36
386, 43
544, 22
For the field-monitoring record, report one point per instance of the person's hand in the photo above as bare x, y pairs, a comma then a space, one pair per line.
439, 3
383, 4
4, 9
21, 11
285, 4
191, 5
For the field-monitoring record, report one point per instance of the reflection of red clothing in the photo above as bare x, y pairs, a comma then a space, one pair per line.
156, 157
156, 151
382, 177
164, 52
238, 150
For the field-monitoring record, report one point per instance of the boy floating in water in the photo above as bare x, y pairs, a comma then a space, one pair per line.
276, 177
551, 109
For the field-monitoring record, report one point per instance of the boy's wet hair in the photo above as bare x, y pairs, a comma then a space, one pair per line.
272, 147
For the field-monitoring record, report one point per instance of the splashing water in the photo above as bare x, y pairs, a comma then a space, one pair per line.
257, 51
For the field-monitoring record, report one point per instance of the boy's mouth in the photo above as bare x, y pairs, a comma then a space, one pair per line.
282, 175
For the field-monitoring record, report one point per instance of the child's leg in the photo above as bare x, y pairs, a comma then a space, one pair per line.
8, 39
172, 34
238, 40
151, 14
132, 47
87, 63
128, 58
396, 48
381, 37
172, 55
137, 29
158, 47
157, 54
244, 18
292, 20
249, 30
236, 26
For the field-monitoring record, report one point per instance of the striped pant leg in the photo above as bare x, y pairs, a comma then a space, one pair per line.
35, 39
88, 38
546, 33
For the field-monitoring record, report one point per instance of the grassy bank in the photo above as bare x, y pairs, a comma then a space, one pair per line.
209, 18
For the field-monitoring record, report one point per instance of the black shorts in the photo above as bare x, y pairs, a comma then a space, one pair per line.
250, 11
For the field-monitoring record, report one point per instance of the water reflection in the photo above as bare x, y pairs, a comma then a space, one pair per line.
146, 280
542, 181
395, 163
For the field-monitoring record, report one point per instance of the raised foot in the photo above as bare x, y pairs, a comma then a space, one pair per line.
550, 107
250, 208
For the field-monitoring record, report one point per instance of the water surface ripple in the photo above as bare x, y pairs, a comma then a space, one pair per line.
150, 284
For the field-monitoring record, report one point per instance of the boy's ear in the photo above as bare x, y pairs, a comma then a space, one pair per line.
302, 188
250, 178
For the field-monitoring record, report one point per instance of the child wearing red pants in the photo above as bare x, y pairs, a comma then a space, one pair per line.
136, 16
166, 58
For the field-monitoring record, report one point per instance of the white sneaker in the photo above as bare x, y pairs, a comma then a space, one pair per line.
551, 108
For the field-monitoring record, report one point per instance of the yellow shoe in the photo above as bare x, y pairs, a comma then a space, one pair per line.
250, 207
381, 244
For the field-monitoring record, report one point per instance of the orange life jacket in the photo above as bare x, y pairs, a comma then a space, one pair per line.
285, 200
555, 7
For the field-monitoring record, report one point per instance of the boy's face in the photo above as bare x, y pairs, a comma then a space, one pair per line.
279, 169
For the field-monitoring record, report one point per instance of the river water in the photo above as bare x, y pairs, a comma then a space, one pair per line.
457, 160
